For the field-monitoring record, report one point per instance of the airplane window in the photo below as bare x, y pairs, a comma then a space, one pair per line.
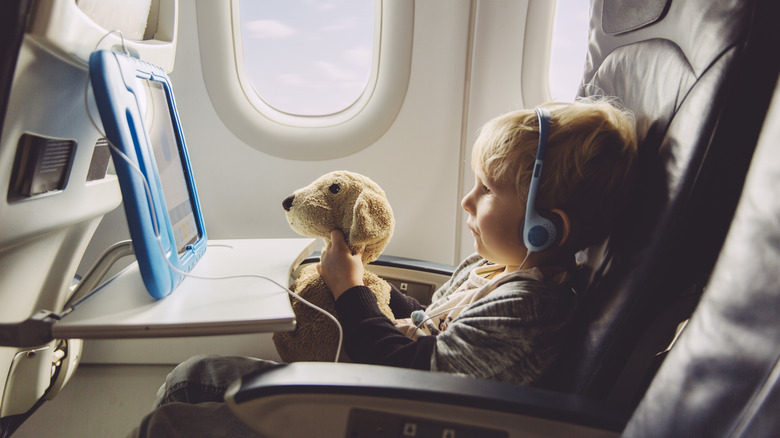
308, 58
569, 46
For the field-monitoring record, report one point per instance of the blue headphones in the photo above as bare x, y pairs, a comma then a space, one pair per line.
539, 233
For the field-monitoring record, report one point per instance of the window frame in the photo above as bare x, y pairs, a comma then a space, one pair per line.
300, 137
535, 74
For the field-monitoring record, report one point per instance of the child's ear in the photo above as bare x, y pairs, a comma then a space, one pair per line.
564, 225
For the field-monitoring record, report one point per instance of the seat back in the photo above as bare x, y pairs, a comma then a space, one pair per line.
723, 376
45, 223
697, 76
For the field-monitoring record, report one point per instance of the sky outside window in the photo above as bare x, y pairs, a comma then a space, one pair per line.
308, 57
569, 48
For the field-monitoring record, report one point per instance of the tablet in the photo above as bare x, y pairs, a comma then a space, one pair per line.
137, 108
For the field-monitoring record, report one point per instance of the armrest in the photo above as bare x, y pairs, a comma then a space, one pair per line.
399, 263
326, 399
414, 265
417, 278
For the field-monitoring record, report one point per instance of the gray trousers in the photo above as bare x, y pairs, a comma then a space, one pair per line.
191, 401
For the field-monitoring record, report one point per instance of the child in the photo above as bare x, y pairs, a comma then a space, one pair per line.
502, 314
503, 311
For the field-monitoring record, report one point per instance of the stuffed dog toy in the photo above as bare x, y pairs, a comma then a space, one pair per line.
358, 207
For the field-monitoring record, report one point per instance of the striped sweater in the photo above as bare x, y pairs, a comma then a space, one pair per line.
511, 334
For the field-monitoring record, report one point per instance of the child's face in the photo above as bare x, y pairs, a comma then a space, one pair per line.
495, 217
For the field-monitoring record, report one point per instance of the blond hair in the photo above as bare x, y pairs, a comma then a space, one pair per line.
588, 163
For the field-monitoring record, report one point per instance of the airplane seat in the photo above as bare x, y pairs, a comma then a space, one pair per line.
720, 380
698, 77
54, 191
723, 376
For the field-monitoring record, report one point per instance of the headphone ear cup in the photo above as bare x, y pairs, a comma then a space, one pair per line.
542, 231
556, 222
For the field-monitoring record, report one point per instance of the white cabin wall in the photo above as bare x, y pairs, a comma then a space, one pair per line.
415, 161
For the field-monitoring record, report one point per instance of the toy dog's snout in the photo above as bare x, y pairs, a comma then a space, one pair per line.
287, 203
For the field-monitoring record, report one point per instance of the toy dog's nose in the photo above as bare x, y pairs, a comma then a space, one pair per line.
287, 203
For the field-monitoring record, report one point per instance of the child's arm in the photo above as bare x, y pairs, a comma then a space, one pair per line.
403, 305
369, 336
340, 268
343, 270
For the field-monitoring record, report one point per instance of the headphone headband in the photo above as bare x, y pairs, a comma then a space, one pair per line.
539, 233
543, 114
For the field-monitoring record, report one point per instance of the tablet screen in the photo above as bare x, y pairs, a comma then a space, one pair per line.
170, 166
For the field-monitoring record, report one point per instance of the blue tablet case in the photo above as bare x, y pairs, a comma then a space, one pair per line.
136, 105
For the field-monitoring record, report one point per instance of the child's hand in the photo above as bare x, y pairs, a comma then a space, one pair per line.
340, 268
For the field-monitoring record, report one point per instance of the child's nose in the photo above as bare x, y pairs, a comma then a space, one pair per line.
466, 203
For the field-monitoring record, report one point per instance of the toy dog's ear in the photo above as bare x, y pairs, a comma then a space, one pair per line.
372, 221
